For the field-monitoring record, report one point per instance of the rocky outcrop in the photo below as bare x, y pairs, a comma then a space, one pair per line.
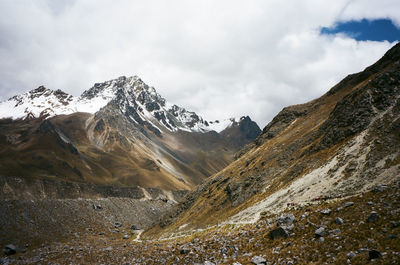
355, 111
241, 132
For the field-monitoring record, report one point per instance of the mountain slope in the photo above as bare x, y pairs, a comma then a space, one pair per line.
340, 144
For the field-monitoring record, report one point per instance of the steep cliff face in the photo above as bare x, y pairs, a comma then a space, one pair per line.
340, 144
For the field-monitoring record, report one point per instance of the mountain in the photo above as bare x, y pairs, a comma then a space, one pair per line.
138, 101
241, 132
119, 143
341, 144
122, 123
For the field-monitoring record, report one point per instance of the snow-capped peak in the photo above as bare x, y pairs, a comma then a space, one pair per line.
37, 102
135, 99
220, 125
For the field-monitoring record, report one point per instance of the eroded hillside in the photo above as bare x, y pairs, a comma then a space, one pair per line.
338, 145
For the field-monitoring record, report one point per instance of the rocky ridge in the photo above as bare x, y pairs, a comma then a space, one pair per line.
136, 100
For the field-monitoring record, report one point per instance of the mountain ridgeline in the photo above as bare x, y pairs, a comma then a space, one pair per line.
120, 132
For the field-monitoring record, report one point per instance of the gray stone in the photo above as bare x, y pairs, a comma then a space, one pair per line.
126, 236
362, 250
185, 251
373, 217
10, 250
335, 231
97, 207
286, 219
348, 204
374, 254
338, 220
208, 263
278, 233
134, 227
258, 260
379, 188
35, 259
351, 254
320, 232
326, 211
391, 237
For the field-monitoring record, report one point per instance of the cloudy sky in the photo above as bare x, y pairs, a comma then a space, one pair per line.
219, 58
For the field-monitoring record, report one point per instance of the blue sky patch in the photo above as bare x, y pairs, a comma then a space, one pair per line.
362, 30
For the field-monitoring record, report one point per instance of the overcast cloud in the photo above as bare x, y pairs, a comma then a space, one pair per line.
218, 58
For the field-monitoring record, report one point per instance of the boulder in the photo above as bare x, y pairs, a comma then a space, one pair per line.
338, 220
374, 254
185, 251
10, 250
258, 260
326, 211
373, 217
134, 227
278, 232
286, 219
320, 232
351, 254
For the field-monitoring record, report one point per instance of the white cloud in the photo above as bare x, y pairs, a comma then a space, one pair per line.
219, 58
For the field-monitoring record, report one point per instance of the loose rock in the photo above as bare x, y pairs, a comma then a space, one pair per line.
374, 254
258, 260
10, 250
373, 217
278, 233
351, 254
286, 219
338, 220
134, 227
320, 232
185, 251
326, 211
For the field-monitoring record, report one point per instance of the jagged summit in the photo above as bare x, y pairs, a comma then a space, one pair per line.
37, 102
135, 99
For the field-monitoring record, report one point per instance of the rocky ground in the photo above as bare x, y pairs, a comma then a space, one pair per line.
360, 229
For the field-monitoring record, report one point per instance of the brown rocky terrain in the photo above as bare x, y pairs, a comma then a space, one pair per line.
360, 229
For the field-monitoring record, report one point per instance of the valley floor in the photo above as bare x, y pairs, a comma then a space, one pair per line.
339, 231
